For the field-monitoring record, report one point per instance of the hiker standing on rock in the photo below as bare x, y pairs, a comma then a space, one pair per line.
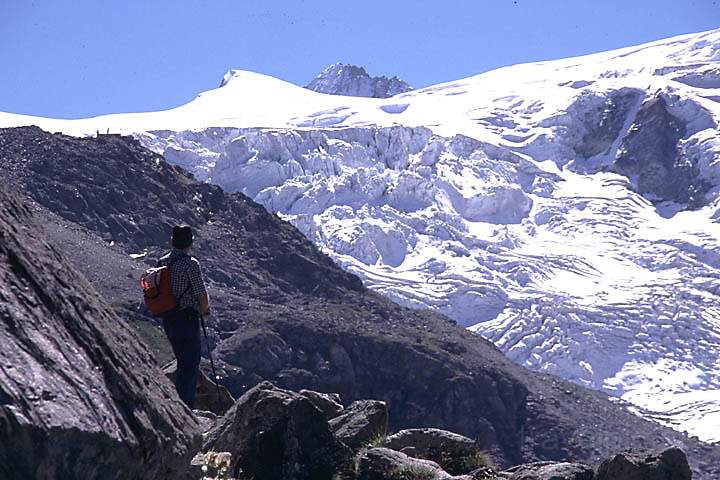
176, 292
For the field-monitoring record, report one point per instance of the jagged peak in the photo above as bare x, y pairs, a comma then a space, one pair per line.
353, 80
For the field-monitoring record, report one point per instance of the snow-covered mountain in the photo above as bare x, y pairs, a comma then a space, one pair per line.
567, 210
351, 80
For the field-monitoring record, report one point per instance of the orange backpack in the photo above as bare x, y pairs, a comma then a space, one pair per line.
155, 284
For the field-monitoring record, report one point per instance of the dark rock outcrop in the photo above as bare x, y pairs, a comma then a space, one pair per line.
551, 471
669, 464
360, 423
354, 81
285, 312
80, 395
604, 124
207, 396
455, 453
649, 153
328, 403
276, 434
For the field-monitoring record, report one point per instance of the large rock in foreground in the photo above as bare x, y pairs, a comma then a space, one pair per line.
276, 434
80, 396
670, 464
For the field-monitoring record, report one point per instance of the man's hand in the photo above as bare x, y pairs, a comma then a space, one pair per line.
204, 303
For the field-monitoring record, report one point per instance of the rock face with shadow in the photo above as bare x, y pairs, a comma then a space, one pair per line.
603, 124
284, 312
80, 395
649, 154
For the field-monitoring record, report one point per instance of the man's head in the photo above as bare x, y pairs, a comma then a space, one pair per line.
182, 237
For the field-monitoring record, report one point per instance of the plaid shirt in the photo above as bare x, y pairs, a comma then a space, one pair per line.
186, 279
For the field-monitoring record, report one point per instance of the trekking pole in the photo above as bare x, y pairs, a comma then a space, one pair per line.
212, 364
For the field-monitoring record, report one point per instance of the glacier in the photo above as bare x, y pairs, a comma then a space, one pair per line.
567, 210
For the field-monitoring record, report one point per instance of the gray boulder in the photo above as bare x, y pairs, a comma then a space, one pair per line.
386, 464
669, 464
328, 403
80, 395
276, 434
454, 453
550, 471
360, 423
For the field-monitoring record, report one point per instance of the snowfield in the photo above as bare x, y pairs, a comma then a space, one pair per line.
566, 210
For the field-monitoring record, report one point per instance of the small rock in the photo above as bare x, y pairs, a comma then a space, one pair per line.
328, 403
360, 423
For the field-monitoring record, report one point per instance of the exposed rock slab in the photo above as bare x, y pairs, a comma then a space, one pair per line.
80, 396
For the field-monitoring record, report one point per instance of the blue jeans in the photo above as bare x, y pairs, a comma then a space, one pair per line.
183, 331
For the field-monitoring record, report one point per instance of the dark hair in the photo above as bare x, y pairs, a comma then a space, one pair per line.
182, 236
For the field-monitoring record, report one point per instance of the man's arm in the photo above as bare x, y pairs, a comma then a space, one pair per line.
198, 287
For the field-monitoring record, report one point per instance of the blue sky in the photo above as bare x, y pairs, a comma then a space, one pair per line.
78, 58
